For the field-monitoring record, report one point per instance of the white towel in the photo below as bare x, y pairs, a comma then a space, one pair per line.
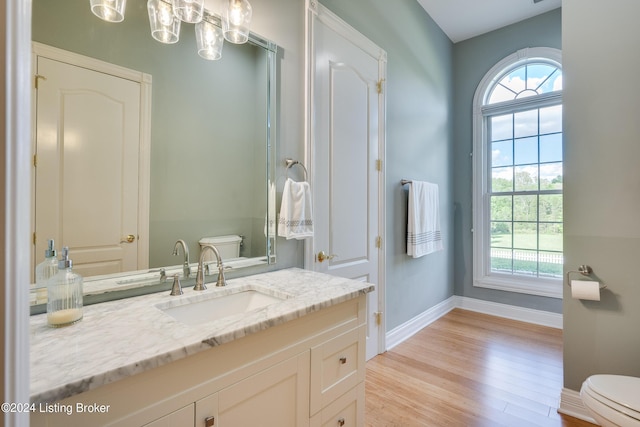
296, 219
423, 225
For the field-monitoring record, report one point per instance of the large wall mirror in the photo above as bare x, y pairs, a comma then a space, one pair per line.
211, 143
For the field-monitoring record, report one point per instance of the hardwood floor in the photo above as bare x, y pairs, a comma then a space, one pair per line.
471, 370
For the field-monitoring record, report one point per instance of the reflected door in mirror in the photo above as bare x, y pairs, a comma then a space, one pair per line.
87, 173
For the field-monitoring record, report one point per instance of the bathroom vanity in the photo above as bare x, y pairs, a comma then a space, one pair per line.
160, 360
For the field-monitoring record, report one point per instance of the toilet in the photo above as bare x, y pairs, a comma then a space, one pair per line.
612, 400
227, 246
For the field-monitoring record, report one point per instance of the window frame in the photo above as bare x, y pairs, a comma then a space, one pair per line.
482, 275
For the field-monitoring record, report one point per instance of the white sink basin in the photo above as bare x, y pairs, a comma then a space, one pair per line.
218, 307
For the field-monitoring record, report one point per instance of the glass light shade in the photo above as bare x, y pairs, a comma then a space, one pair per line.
188, 10
209, 39
165, 27
236, 18
109, 10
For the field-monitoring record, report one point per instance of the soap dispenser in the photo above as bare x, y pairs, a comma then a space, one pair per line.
64, 302
46, 270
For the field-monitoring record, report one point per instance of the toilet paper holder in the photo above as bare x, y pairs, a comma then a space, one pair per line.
584, 270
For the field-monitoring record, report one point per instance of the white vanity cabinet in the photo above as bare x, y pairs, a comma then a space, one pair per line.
307, 371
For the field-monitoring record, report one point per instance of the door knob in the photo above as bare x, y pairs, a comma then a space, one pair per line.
322, 256
128, 239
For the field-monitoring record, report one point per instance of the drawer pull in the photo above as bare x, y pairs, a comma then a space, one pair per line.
341, 422
343, 360
209, 421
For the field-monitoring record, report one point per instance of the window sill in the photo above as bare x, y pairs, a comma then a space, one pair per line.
551, 288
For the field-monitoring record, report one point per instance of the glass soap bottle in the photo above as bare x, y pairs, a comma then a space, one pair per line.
64, 290
46, 270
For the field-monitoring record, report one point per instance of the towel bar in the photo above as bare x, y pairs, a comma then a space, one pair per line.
405, 181
290, 163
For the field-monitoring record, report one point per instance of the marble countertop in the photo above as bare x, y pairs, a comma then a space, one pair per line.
120, 338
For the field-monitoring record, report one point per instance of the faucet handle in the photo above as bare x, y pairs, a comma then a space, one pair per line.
176, 289
221, 280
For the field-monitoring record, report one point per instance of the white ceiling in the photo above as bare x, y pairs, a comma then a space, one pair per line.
463, 19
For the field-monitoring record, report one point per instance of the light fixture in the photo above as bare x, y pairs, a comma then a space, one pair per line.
165, 27
189, 11
236, 18
109, 10
209, 39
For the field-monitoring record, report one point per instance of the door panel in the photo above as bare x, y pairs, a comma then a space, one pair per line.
347, 109
86, 181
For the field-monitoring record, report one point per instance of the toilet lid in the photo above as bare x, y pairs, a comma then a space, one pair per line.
622, 390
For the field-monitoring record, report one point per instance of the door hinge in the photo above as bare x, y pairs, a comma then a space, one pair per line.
379, 165
378, 315
379, 85
34, 238
379, 242
35, 160
37, 78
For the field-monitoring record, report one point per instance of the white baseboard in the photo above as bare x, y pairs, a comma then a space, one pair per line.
571, 404
529, 315
413, 326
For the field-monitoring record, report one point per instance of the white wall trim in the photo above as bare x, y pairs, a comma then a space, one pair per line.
571, 404
15, 131
529, 315
413, 326
408, 329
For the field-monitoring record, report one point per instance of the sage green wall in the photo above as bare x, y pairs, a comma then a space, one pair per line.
602, 185
473, 58
418, 142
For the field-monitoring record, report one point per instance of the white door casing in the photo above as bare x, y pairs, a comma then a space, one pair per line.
91, 175
346, 150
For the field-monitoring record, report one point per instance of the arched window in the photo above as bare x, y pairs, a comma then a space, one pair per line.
517, 215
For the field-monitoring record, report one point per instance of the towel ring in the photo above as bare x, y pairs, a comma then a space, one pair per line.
290, 163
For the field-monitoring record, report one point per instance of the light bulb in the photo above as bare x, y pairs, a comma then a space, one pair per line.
236, 18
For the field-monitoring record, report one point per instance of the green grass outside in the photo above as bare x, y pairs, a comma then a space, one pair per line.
548, 242
526, 267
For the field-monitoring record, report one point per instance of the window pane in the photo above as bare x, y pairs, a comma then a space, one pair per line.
501, 260
501, 127
501, 235
551, 207
550, 264
499, 94
525, 208
526, 151
501, 208
551, 119
553, 84
525, 123
551, 237
525, 235
551, 148
537, 74
551, 176
501, 179
525, 262
502, 153
515, 80
526, 178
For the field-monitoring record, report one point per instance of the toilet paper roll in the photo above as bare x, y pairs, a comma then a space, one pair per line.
585, 289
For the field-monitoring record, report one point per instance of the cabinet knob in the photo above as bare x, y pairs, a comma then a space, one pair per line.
209, 421
343, 360
341, 422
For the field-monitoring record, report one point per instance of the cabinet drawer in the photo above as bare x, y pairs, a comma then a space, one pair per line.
337, 366
346, 411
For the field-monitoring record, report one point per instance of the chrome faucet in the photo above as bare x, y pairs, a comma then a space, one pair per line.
186, 269
200, 286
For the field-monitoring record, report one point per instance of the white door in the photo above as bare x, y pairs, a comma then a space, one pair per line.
348, 143
87, 142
